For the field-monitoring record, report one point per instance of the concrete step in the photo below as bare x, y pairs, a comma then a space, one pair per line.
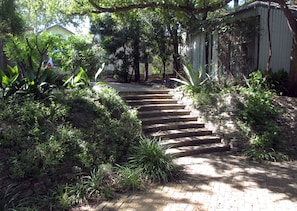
154, 107
144, 92
167, 119
196, 150
173, 134
148, 96
150, 101
162, 117
171, 126
159, 113
190, 141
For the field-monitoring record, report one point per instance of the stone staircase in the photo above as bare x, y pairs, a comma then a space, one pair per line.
163, 117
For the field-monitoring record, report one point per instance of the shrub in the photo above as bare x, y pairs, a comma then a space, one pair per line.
260, 114
151, 157
76, 53
30, 75
51, 141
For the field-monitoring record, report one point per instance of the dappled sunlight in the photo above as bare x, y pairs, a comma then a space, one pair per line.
220, 182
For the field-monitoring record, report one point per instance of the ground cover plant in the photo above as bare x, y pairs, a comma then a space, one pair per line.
256, 114
49, 140
64, 142
78, 143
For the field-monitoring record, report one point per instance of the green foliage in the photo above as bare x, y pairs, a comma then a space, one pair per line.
96, 183
72, 56
11, 197
52, 140
151, 157
235, 36
81, 80
124, 37
99, 182
192, 79
41, 14
278, 81
260, 154
199, 85
202, 95
129, 178
259, 113
10, 20
75, 54
28, 53
161, 40
9, 82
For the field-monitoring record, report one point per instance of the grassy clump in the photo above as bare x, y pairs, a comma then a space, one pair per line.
151, 157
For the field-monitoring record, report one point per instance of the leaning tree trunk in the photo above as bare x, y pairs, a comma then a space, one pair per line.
292, 86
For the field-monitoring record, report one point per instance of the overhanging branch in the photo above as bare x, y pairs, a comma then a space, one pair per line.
184, 8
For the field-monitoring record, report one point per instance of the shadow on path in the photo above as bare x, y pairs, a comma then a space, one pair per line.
219, 182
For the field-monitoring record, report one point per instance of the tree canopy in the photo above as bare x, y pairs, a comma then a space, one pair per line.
10, 21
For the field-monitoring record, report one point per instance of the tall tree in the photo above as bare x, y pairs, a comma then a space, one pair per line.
161, 39
10, 22
121, 36
41, 14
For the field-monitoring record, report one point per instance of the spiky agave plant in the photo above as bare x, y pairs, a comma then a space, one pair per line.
192, 78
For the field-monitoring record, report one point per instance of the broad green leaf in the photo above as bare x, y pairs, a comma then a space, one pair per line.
4, 79
13, 70
99, 71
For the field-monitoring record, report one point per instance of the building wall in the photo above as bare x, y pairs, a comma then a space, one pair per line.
281, 40
58, 30
197, 51
280, 36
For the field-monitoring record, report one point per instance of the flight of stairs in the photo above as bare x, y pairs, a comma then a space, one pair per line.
163, 117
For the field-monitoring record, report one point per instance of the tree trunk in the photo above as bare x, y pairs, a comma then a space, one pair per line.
292, 86
136, 54
176, 57
164, 69
146, 67
1, 55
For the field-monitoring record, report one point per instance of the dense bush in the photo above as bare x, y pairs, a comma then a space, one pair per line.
75, 53
41, 136
259, 114
53, 140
